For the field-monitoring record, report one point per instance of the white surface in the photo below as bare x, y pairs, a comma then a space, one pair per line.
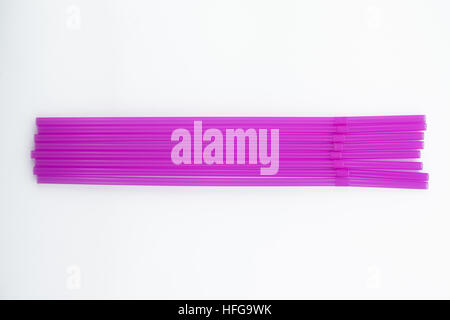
288, 58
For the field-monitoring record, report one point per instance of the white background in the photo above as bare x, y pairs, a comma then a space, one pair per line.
233, 57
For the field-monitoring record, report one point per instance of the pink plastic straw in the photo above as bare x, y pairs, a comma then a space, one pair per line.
236, 181
136, 163
372, 151
362, 120
163, 129
149, 138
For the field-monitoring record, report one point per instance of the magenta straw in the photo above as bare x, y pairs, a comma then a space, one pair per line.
302, 138
373, 151
242, 172
303, 164
161, 156
161, 129
76, 121
292, 147
236, 181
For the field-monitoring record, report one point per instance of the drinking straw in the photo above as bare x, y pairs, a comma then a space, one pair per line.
235, 181
363, 151
319, 163
310, 138
292, 147
161, 129
362, 120
242, 172
162, 156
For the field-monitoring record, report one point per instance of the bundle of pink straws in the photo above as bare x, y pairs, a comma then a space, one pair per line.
379, 151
